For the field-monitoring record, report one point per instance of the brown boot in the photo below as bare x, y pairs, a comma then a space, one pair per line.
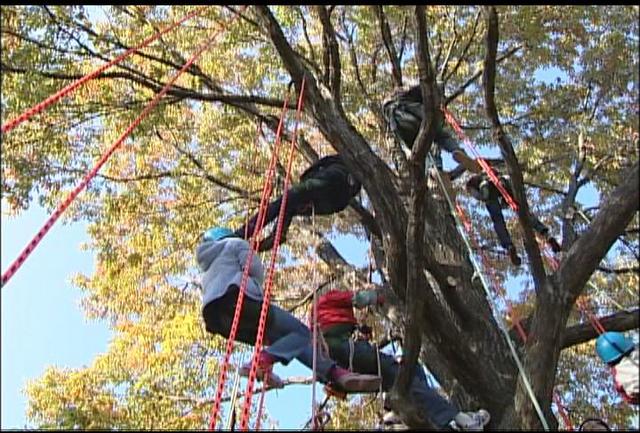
470, 164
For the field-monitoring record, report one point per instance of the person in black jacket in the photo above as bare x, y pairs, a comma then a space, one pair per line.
481, 188
326, 187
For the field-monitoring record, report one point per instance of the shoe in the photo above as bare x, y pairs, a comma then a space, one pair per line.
354, 382
470, 164
470, 421
264, 372
391, 421
513, 254
555, 246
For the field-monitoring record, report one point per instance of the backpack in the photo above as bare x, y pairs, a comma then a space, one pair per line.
403, 114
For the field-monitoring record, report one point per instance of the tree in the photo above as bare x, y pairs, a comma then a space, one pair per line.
196, 162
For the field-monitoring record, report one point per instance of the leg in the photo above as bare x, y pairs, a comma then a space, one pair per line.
365, 360
297, 196
290, 339
495, 211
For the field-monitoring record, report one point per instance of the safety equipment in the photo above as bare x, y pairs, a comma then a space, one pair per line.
217, 233
611, 346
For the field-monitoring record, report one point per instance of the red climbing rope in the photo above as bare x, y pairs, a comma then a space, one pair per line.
264, 200
71, 87
85, 181
244, 422
483, 163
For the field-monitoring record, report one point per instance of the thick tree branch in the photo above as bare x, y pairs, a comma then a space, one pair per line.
506, 148
417, 284
621, 321
611, 221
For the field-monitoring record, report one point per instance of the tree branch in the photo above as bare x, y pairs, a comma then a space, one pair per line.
464, 52
621, 321
396, 67
334, 53
506, 148
477, 75
611, 221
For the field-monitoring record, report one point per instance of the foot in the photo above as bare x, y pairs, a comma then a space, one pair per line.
264, 372
513, 254
555, 246
470, 421
470, 164
355, 382
391, 421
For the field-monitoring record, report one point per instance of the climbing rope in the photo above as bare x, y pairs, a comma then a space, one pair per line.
483, 163
314, 327
264, 199
234, 393
501, 325
71, 87
85, 181
269, 280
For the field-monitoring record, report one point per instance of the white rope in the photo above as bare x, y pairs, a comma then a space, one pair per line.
499, 319
314, 325
234, 392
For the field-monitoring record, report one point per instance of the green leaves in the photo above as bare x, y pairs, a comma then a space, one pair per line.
196, 161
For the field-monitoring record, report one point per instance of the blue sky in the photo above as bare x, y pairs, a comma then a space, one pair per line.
43, 325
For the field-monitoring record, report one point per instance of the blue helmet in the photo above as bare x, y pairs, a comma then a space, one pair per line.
216, 233
611, 346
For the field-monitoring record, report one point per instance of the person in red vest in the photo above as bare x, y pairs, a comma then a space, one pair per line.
337, 322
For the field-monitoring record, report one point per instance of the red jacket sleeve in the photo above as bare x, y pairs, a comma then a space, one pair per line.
336, 299
335, 307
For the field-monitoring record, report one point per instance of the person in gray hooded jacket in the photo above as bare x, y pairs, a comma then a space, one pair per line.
221, 257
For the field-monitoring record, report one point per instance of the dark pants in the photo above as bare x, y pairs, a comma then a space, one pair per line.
322, 196
365, 361
286, 337
495, 211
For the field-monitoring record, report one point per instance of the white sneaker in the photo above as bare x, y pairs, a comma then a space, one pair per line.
391, 421
471, 421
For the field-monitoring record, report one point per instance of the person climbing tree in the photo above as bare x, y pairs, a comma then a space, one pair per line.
337, 322
221, 257
481, 188
403, 114
325, 188
619, 353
